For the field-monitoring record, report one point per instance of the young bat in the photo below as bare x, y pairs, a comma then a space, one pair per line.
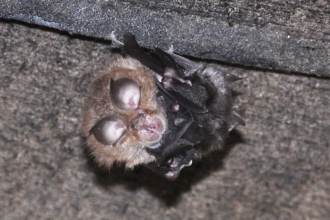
122, 115
194, 115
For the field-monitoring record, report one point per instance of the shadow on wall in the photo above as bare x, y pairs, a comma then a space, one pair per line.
167, 191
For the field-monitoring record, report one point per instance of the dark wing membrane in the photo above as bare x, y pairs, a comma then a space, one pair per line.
135, 51
162, 65
175, 96
203, 115
172, 147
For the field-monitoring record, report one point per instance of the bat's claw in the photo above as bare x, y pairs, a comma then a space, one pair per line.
171, 49
171, 73
171, 172
188, 82
172, 175
113, 38
185, 81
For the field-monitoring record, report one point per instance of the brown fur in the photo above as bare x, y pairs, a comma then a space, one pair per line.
130, 149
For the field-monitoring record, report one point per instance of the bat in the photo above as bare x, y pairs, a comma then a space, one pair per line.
122, 115
191, 110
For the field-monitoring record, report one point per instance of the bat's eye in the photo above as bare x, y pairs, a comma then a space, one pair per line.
109, 130
125, 93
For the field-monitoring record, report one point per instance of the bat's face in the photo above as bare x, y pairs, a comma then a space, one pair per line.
122, 115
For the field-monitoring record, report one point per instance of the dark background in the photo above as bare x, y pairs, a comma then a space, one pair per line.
277, 167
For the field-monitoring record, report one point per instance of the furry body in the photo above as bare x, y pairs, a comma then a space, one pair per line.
130, 149
187, 104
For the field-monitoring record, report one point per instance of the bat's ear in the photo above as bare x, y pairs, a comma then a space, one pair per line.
232, 78
125, 93
235, 120
134, 50
109, 130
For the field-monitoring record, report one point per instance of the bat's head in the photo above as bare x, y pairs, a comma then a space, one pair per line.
122, 115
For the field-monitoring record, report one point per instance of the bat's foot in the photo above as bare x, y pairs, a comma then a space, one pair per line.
171, 49
176, 169
170, 172
113, 38
170, 74
188, 82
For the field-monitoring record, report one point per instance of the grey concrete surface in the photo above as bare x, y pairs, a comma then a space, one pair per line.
277, 167
289, 36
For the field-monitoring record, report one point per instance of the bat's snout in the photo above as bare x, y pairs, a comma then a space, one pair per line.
150, 129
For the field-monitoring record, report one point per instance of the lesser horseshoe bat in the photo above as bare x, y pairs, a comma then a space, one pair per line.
122, 115
158, 109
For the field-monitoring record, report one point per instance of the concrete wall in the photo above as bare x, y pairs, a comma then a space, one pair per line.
277, 167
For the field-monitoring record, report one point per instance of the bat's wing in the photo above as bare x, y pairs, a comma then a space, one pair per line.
202, 113
164, 65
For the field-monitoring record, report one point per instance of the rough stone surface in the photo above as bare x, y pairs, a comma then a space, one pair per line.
287, 36
277, 167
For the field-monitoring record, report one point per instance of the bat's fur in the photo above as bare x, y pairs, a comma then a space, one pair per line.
213, 126
130, 148
216, 122
201, 132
